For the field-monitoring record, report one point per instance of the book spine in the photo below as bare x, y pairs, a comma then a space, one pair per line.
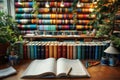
32, 51
83, 51
64, 50
71, 51
28, 51
74, 52
68, 51
100, 48
55, 50
59, 50
96, 52
35, 50
51, 50
47, 50
39, 51
25, 51
87, 51
43, 51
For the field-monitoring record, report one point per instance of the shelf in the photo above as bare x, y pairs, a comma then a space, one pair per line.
63, 37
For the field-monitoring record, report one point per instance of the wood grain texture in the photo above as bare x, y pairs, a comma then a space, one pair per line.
97, 72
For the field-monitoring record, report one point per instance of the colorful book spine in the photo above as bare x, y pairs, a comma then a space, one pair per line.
64, 50
47, 50
51, 50
55, 50
42, 50
25, 51
71, 51
68, 51
74, 51
39, 50
59, 53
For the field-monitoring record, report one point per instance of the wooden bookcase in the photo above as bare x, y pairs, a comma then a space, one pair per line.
56, 19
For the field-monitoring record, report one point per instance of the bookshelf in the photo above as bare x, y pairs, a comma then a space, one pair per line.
54, 20
57, 30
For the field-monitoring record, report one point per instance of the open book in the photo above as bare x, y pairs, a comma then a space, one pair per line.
50, 68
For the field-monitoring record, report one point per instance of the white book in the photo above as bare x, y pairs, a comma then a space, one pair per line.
52, 68
7, 72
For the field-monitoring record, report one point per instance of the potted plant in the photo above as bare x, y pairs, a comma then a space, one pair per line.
9, 33
104, 22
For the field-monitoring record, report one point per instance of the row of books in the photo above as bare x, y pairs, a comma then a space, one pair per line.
54, 27
51, 4
54, 10
70, 50
52, 15
50, 21
57, 0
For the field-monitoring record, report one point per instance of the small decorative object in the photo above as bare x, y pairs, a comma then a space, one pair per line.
93, 33
13, 58
86, 64
88, 33
112, 51
104, 61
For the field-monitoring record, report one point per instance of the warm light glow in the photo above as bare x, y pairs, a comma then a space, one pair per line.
19, 2
94, 1
62, 4
47, 4
79, 4
91, 10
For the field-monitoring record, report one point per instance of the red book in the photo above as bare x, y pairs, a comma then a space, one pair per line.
71, 51
59, 51
68, 52
64, 50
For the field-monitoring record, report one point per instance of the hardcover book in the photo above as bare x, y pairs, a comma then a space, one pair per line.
52, 68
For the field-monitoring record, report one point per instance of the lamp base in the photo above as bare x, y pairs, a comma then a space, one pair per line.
104, 61
112, 61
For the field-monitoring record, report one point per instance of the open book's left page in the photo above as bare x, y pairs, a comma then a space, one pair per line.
41, 69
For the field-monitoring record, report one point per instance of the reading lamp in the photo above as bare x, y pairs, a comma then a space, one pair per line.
112, 51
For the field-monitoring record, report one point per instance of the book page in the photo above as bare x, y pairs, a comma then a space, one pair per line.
40, 68
78, 70
62, 67
7, 71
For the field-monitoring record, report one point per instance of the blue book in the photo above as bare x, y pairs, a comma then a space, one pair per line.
35, 50
42, 50
78, 48
83, 50
96, 52
39, 51
31, 51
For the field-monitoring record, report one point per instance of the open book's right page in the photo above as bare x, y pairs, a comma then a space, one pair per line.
78, 70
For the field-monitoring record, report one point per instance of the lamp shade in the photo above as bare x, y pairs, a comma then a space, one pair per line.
111, 50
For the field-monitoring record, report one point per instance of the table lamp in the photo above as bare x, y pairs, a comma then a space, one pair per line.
112, 51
